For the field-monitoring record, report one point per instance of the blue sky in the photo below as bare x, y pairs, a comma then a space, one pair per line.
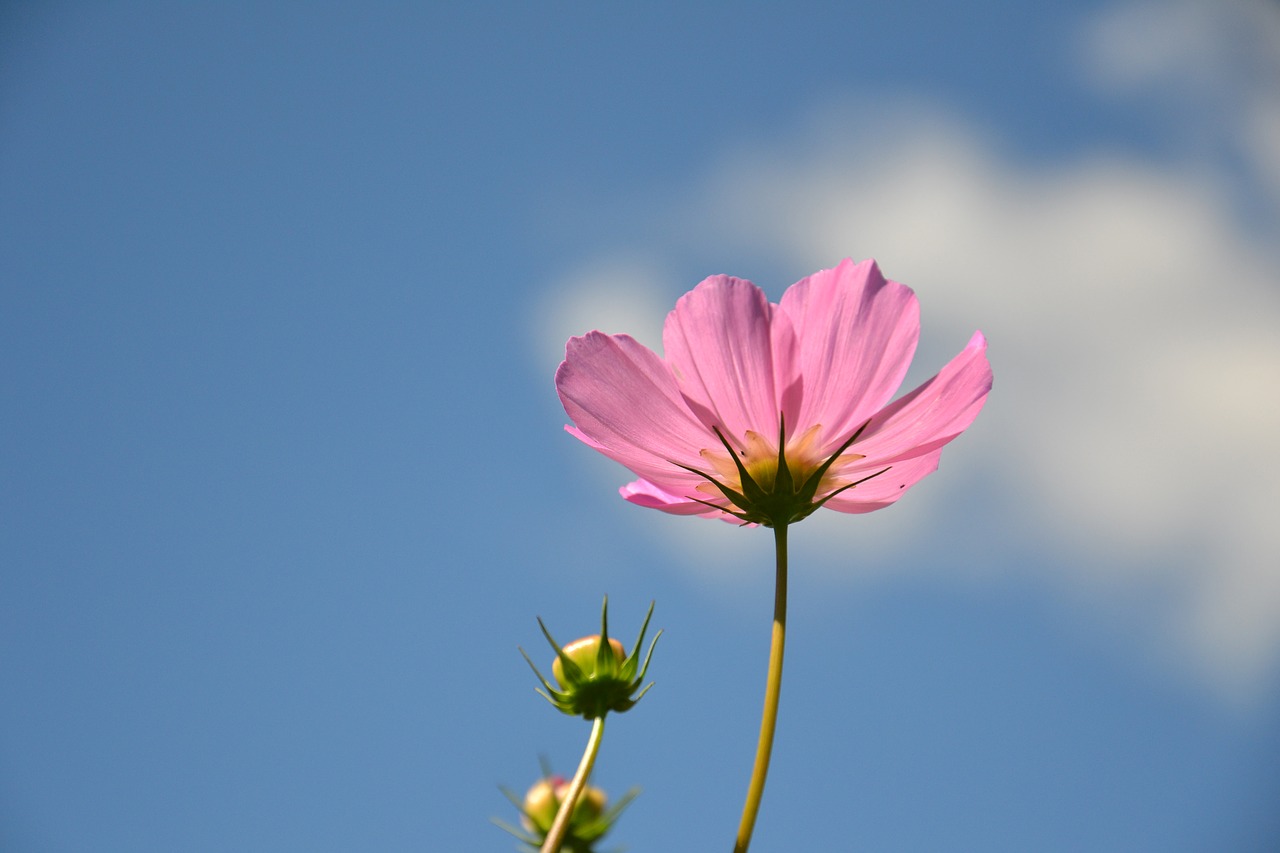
282, 289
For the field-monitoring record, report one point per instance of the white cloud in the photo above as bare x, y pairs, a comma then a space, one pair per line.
1218, 61
1200, 47
608, 293
1132, 321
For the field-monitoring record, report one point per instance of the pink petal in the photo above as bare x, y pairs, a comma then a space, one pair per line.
625, 403
933, 414
646, 494
719, 343
855, 333
879, 492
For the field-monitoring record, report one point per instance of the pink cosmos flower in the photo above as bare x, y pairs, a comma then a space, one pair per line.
762, 413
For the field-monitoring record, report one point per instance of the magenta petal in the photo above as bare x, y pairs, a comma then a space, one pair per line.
625, 402
879, 492
718, 341
646, 494
933, 414
855, 333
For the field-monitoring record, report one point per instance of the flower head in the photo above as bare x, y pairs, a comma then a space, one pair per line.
763, 413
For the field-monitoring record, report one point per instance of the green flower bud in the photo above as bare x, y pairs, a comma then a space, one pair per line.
595, 674
591, 820
541, 804
585, 653
543, 801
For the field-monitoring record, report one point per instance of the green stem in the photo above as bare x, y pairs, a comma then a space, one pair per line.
555, 836
772, 692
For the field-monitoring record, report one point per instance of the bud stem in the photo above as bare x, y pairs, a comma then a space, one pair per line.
772, 692
561, 825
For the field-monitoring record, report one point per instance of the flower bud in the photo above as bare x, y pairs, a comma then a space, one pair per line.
588, 823
585, 653
594, 674
543, 801
541, 804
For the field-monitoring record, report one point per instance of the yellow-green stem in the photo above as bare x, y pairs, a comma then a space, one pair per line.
555, 836
772, 691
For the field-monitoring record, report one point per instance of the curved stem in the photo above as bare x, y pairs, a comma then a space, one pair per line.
772, 692
561, 824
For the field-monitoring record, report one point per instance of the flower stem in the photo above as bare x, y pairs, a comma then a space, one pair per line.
772, 691
555, 836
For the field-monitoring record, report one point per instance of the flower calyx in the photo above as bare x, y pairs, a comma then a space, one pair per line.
784, 500
594, 673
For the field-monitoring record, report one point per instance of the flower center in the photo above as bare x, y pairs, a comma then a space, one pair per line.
759, 457
776, 484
